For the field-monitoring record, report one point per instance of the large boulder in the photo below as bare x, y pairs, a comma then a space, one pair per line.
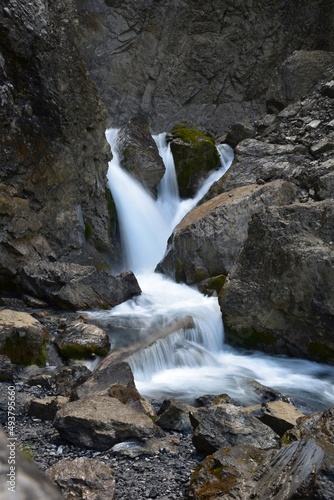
22, 338
99, 422
73, 286
208, 240
139, 154
285, 295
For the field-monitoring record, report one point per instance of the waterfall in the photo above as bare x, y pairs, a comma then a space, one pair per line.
175, 333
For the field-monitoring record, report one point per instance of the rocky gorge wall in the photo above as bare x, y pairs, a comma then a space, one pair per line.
209, 62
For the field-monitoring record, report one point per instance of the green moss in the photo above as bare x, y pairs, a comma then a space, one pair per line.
216, 283
77, 351
321, 351
21, 352
190, 135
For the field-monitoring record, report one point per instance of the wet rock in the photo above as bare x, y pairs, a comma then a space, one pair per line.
207, 241
84, 478
80, 340
73, 286
195, 155
291, 293
266, 394
139, 153
209, 399
174, 415
99, 422
227, 425
22, 338
27, 480
46, 408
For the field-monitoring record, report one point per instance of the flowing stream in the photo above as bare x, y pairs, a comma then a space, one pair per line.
178, 331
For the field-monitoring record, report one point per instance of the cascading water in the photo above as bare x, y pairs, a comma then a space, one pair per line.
179, 331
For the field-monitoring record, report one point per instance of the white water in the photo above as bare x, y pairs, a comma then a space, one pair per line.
193, 360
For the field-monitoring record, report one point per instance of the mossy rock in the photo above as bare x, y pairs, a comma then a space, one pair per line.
321, 352
22, 338
195, 154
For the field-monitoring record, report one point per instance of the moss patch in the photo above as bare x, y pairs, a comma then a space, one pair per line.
77, 351
249, 338
89, 233
21, 351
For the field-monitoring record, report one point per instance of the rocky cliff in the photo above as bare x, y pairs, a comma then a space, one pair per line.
54, 201
210, 62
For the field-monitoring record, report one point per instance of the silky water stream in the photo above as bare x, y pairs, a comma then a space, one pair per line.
180, 331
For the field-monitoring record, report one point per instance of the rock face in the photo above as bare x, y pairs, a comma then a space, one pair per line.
53, 152
178, 61
22, 338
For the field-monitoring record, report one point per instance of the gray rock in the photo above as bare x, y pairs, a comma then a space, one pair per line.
174, 415
223, 426
70, 377
46, 408
304, 468
278, 415
84, 478
73, 286
316, 425
99, 422
139, 153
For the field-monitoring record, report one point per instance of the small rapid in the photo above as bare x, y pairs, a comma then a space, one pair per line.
173, 333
